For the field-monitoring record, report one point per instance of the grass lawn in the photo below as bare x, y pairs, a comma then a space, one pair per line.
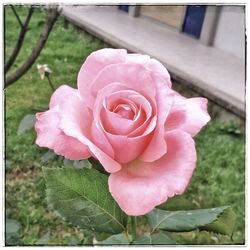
218, 180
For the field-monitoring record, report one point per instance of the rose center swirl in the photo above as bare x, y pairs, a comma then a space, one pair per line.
124, 112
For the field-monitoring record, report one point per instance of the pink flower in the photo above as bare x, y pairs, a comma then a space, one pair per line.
125, 114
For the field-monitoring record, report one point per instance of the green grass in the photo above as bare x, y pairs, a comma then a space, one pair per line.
218, 179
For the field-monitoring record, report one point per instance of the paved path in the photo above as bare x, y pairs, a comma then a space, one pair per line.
213, 73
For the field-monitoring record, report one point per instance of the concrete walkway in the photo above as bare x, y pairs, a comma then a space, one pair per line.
213, 73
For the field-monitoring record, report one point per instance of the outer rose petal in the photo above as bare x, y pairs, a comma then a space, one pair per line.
50, 135
137, 58
94, 63
61, 94
189, 115
157, 67
140, 186
76, 121
150, 63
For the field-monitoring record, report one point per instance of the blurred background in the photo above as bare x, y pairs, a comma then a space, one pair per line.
202, 46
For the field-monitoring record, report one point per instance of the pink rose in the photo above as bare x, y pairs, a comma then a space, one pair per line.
125, 114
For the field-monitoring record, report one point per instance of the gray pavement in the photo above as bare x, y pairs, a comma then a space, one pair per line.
212, 72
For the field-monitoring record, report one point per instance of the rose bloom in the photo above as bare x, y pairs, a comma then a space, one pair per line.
125, 114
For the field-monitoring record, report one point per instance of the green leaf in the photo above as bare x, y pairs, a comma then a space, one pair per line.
44, 240
88, 240
88, 237
154, 239
26, 124
40, 23
7, 165
176, 203
77, 164
82, 164
12, 226
82, 197
117, 239
73, 241
184, 221
224, 224
49, 155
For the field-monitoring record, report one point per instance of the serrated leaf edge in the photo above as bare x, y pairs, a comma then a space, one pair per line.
217, 218
176, 212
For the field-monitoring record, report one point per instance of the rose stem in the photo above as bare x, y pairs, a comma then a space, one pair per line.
133, 227
50, 83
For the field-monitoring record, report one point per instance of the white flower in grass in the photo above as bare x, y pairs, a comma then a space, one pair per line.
43, 70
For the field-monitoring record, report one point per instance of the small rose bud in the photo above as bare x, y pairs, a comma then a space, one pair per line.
43, 70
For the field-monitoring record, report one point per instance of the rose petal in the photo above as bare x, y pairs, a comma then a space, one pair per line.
127, 148
51, 136
100, 139
134, 76
137, 58
94, 63
150, 63
119, 88
157, 67
189, 115
140, 186
164, 99
61, 94
76, 120
116, 124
